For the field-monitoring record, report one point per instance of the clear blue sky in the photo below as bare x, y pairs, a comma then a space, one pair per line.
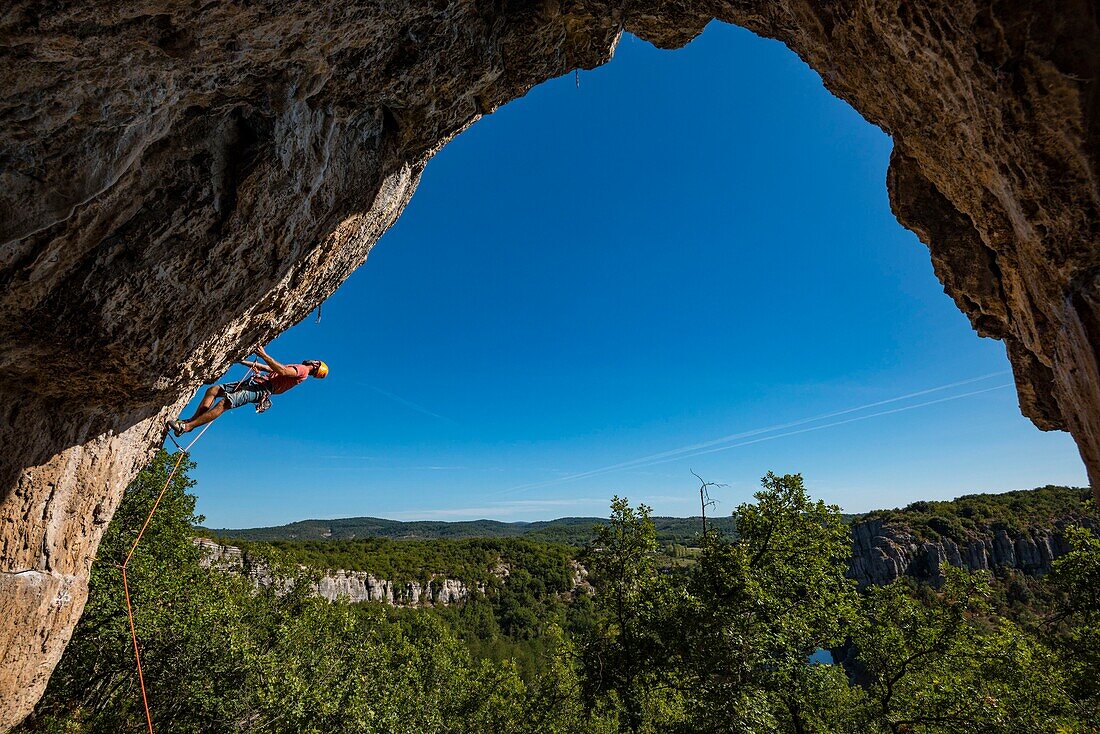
693, 244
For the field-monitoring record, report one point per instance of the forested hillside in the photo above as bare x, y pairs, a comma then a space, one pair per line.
567, 530
1018, 510
727, 641
472, 561
1015, 511
398, 553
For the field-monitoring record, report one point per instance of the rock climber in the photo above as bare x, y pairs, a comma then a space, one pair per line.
269, 379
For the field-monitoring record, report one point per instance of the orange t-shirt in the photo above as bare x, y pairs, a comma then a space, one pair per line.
277, 384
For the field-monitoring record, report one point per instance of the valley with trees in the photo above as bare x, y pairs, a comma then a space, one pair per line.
732, 633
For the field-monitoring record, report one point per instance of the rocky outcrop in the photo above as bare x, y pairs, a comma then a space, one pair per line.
349, 586
180, 182
883, 552
356, 586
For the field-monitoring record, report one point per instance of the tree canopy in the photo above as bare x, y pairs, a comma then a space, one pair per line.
732, 639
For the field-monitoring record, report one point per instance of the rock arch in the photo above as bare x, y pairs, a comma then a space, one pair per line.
181, 181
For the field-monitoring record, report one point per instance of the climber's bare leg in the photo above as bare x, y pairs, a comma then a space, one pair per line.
201, 419
212, 394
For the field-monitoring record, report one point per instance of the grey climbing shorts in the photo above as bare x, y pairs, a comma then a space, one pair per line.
235, 398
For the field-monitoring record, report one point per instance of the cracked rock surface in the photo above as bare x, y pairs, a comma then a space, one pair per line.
181, 181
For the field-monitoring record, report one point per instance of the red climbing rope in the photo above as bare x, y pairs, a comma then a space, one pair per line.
126, 591
183, 451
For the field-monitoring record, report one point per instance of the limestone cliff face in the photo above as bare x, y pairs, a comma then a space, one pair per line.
350, 586
883, 552
180, 182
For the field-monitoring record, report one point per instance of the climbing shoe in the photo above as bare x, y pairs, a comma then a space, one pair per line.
177, 427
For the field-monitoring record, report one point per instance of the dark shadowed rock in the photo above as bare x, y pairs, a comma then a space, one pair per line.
882, 552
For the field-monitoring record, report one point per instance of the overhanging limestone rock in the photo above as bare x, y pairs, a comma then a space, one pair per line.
179, 183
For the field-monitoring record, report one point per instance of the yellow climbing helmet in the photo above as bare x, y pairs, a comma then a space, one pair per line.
322, 370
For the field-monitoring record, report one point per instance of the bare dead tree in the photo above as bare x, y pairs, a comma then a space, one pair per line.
705, 500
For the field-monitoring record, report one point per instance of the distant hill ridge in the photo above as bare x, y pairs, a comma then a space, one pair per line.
570, 530
955, 519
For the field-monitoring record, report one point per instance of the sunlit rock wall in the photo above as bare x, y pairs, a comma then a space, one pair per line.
340, 585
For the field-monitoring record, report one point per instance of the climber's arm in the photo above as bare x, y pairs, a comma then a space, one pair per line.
273, 366
258, 366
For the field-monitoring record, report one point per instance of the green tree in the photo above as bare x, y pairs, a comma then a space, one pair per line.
728, 647
720, 643
946, 663
221, 656
177, 605
624, 653
1076, 626
758, 607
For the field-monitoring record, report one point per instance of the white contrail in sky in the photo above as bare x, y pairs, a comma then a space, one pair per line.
706, 446
835, 423
407, 403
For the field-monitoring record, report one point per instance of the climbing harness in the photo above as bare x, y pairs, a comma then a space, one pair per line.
182, 452
261, 405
